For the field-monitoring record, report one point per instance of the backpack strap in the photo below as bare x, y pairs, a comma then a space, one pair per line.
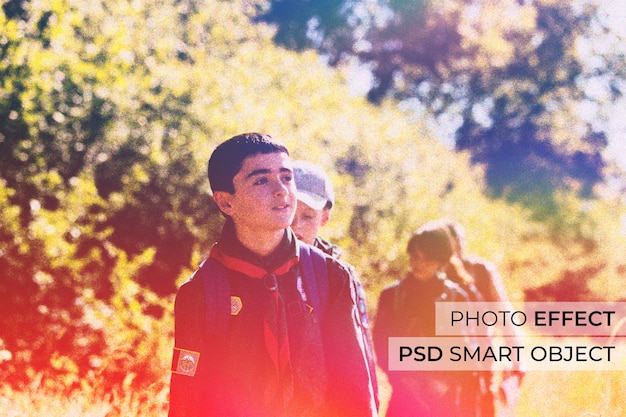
216, 293
217, 290
315, 276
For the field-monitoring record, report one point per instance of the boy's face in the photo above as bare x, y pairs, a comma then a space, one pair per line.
307, 222
265, 194
422, 267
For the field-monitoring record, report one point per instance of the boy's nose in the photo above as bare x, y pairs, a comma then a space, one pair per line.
280, 188
295, 224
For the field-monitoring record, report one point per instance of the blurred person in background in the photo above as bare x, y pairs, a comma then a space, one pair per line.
406, 308
481, 280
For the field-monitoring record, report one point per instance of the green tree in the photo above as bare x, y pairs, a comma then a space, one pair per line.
509, 76
87, 167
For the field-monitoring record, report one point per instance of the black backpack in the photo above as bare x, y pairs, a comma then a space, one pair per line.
314, 274
217, 291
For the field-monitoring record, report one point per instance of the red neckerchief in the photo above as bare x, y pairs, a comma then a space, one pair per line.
276, 342
247, 268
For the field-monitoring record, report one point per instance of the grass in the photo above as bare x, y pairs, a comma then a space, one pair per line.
573, 394
36, 401
554, 394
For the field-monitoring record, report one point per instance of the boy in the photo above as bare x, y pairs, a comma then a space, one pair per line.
473, 273
316, 199
406, 308
276, 355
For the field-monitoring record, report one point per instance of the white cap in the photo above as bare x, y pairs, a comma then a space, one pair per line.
313, 184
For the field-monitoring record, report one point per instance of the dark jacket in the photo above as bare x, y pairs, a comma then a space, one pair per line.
238, 375
327, 247
407, 309
335, 251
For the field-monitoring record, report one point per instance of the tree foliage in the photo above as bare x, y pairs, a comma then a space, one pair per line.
509, 76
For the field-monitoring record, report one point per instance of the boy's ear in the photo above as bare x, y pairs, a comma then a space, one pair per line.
222, 199
325, 216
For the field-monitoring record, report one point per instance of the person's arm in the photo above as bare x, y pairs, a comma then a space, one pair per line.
489, 281
381, 330
188, 361
350, 390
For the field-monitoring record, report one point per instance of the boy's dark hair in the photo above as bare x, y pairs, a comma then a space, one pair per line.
227, 158
432, 242
456, 232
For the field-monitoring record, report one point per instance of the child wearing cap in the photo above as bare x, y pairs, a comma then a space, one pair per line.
316, 199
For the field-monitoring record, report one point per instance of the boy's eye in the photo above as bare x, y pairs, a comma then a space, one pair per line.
288, 178
260, 181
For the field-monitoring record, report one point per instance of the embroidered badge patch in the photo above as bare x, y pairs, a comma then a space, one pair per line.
185, 362
295, 308
235, 305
